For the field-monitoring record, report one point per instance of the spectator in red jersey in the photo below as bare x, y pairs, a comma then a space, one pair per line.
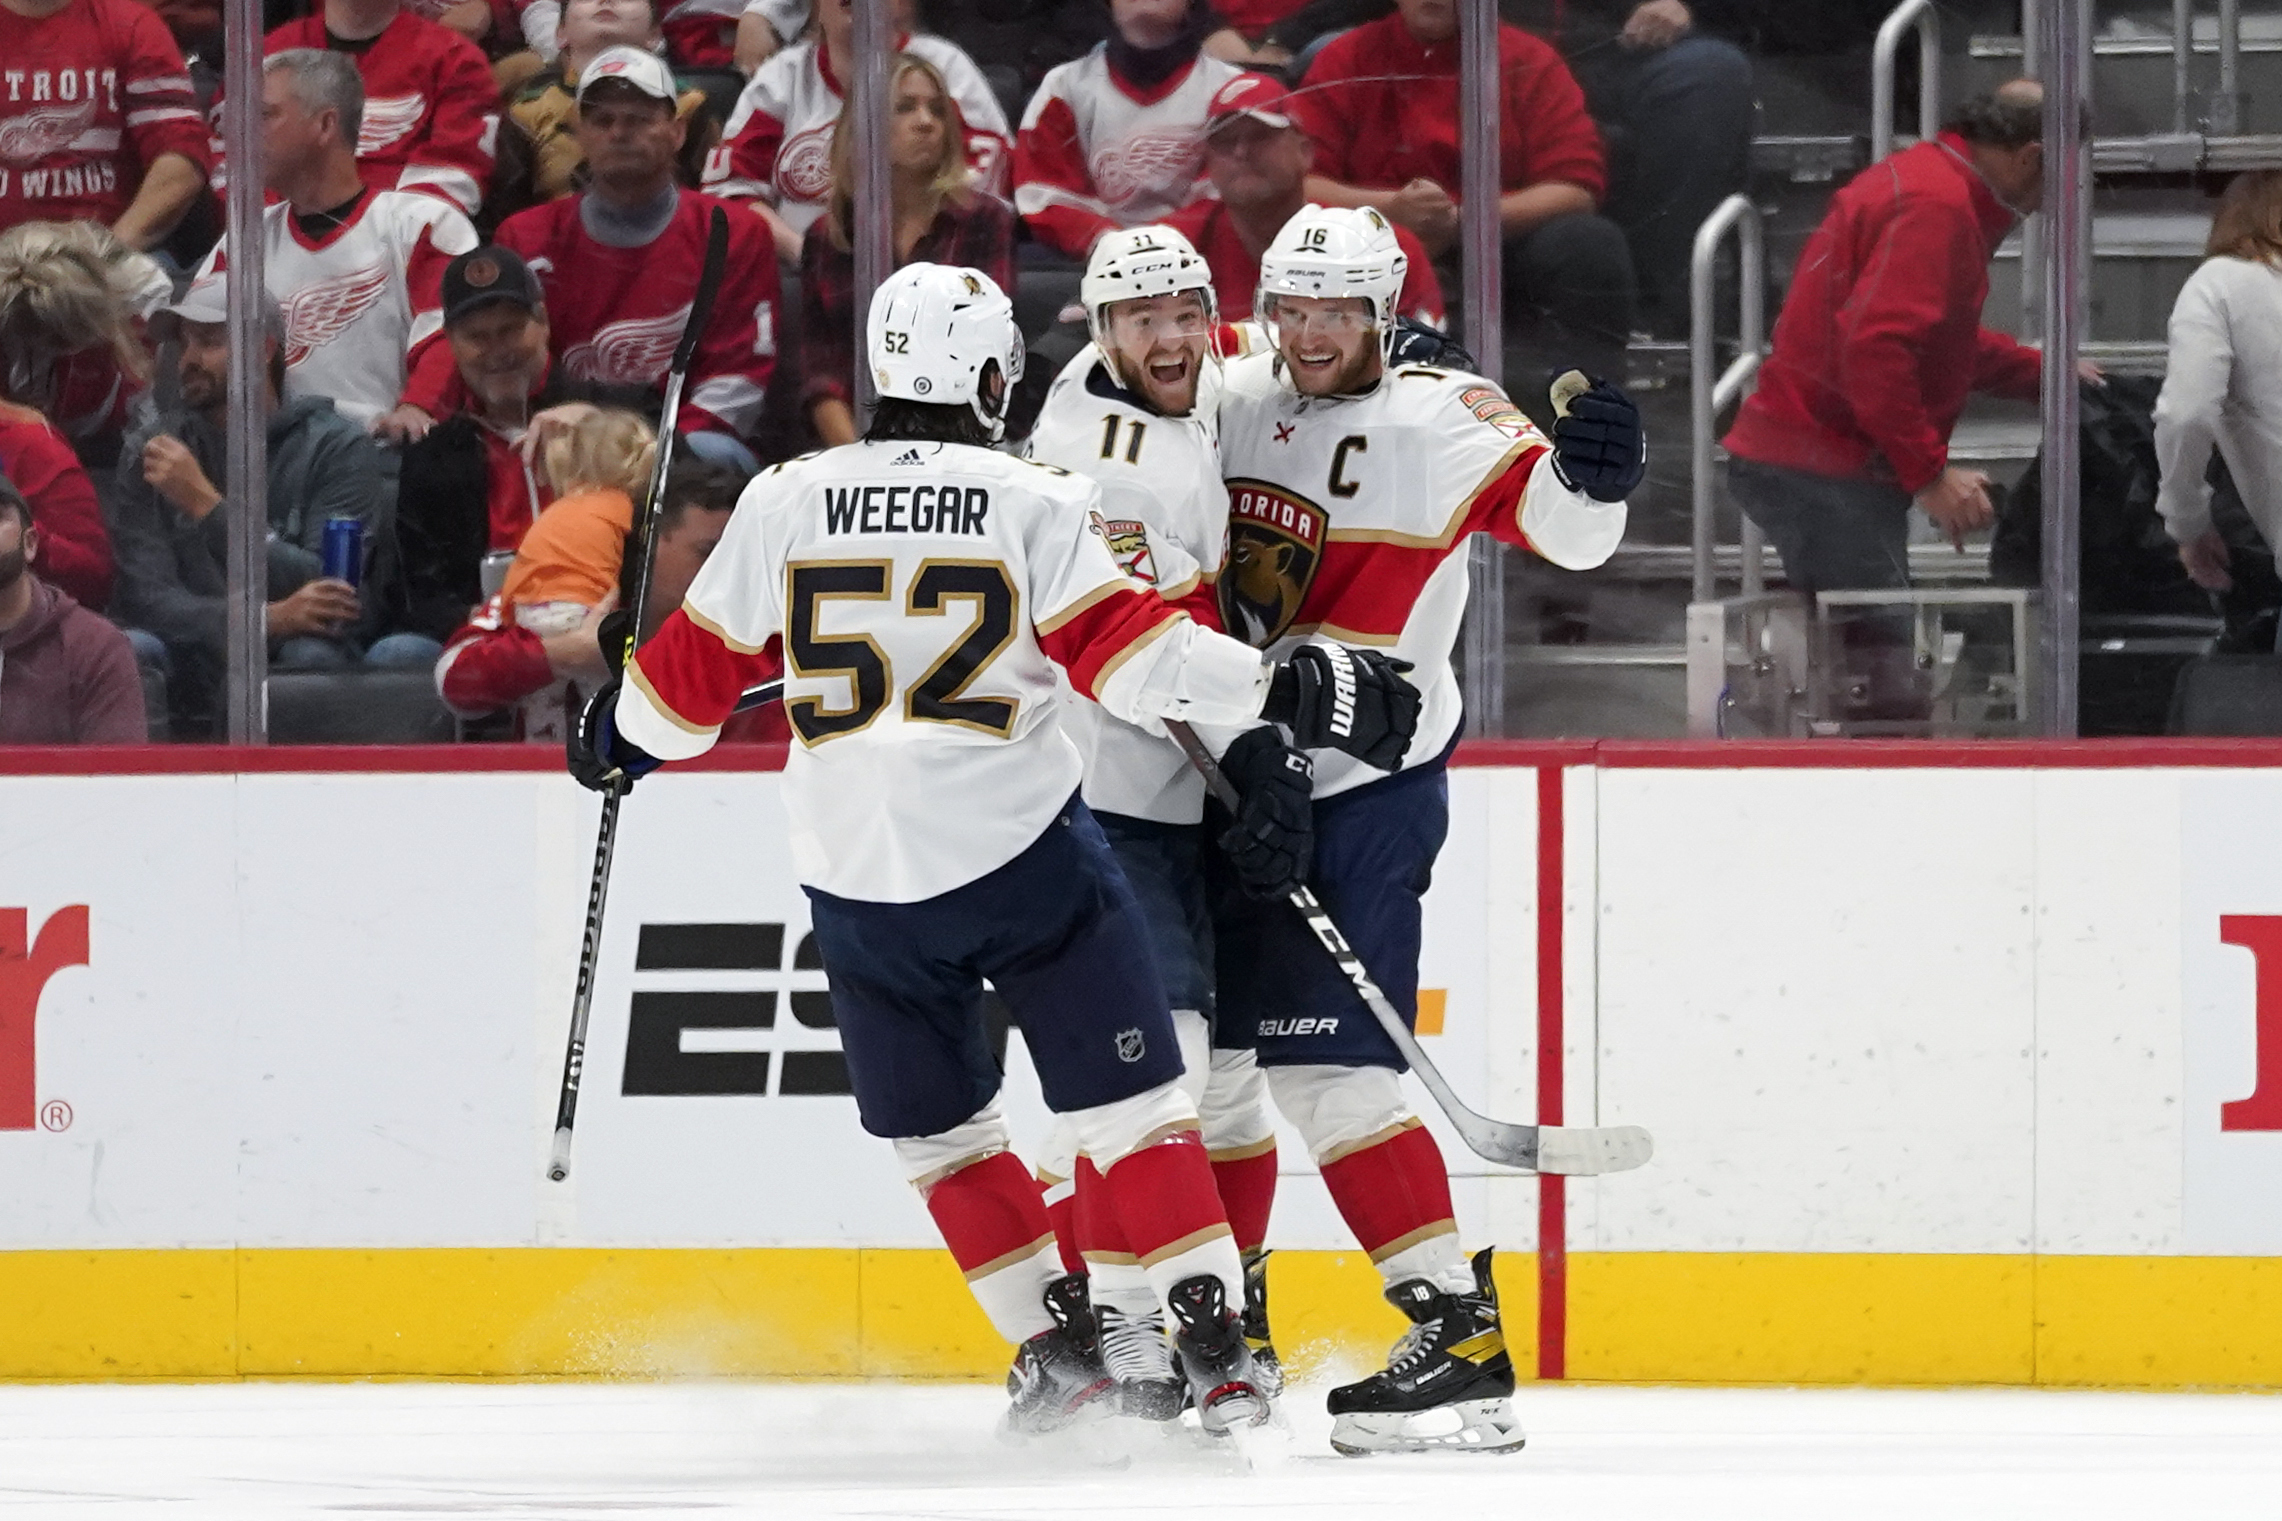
357, 270
97, 119
940, 218
539, 157
470, 490
536, 646
620, 261
77, 547
1381, 103
66, 676
72, 300
779, 156
1878, 346
431, 108
1115, 139
1257, 159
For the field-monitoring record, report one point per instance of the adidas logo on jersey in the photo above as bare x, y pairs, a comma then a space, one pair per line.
907, 457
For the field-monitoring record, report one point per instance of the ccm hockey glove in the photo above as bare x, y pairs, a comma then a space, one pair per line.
600, 758
1353, 701
1272, 840
1598, 445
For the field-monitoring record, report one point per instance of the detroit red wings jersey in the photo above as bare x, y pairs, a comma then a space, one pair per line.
362, 302
617, 313
1165, 515
431, 108
90, 97
1348, 520
1098, 153
925, 596
778, 145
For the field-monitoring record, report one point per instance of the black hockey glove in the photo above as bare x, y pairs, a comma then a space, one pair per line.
1598, 445
1273, 838
1354, 701
1416, 343
601, 759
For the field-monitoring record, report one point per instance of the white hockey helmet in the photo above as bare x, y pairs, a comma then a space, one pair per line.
932, 330
1135, 263
1332, 251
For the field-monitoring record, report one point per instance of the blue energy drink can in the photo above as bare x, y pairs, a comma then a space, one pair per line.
342, 558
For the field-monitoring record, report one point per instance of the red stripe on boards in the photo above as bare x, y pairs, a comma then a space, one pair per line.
1552, 1190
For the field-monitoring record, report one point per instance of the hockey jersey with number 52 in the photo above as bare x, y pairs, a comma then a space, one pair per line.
924, 594
1165, 514
1348, 520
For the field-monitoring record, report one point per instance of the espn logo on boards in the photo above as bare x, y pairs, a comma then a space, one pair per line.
26, 965
666, 1053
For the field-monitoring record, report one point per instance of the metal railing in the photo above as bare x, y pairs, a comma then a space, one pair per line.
1920, 14
1709, 396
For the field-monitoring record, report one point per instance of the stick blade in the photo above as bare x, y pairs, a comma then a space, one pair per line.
1586, 1151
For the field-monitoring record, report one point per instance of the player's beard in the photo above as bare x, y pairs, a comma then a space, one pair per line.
1170, 398
1353, 374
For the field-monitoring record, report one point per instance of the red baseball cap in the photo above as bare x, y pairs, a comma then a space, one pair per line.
1253, 95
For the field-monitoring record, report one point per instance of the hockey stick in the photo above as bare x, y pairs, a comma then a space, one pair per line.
1539, 1148
645, 564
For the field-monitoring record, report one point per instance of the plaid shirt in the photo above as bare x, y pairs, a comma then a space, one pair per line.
977, 232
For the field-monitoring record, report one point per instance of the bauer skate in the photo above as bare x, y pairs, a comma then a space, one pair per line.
1138, 1354
1209, 1337
1057, 1378
1267, 1368
1447, 1384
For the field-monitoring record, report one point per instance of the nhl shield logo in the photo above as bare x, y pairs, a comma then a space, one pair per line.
1131, 1045
1275, 543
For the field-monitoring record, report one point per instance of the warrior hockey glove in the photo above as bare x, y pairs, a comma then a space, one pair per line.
1416, 343
1270, 844
1598, 446
1354, 701
600, 758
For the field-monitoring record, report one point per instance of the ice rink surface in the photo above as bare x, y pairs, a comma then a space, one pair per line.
655, 1451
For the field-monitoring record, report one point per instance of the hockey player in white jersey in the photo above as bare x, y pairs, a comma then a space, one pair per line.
1134, 411
1355, 485
923, 589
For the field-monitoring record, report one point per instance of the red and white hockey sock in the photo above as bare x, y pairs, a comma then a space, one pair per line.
1393, 1190
1246, 1179
1165, 1201
992, 1220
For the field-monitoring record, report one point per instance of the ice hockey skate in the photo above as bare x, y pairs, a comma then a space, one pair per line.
1448, 1384
1209, 1337
1139, 1356
1058, 1379
1267, 1368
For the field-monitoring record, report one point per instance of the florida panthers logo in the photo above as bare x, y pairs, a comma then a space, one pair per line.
1275, 543
388, 119
1163, 163
28, 138
317, 314
636, 352
804, 165
1128, 541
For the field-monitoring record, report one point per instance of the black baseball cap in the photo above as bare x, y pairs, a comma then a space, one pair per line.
485, 274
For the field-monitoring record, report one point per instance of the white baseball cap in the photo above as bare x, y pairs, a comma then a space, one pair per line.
207, 301
642, 69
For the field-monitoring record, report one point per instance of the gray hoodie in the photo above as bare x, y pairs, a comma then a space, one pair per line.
173, 573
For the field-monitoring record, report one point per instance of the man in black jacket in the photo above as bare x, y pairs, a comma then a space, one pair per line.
471, 488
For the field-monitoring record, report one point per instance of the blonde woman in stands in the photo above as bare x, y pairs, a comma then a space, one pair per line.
2223, 388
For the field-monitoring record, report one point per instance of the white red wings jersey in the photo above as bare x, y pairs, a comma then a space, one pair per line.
362, 302
1348, 519
90, 97
1164, 513
778, 144
925, 595
617, 313
1098, 153
431, 108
